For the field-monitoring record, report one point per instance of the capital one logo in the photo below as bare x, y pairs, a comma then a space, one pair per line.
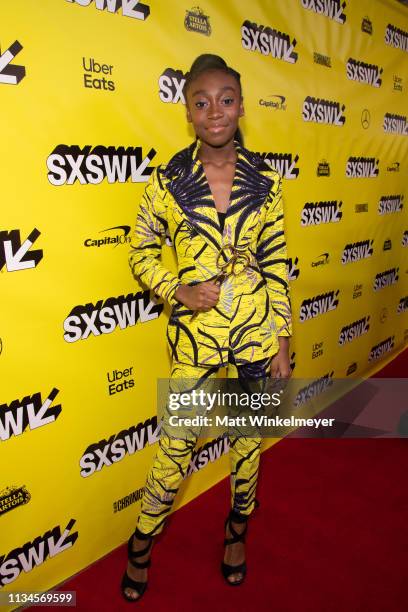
130, 8
14, 73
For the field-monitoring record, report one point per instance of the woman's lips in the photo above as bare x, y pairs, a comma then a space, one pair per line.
215, 129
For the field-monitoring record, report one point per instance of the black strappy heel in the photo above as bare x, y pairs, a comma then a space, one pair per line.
127, 582
226, 569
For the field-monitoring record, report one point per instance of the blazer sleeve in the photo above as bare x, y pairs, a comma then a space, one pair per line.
146, 243
272, 259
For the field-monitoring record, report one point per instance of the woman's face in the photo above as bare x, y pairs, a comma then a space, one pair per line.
214, 105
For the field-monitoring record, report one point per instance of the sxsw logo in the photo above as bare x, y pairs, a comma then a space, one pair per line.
323, 111
11, 74
292, 268
395, 124
363, 73
315, 213
381, 348
91, 165
284, 163
268, 41
31, 412
16, 256
130, 8
362, 167
390, 204
395, 37
171, 85
333, 9
386, 279
355, 251
104, 316
318, 305
354, 330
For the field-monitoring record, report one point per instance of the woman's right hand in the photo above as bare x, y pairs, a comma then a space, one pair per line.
201, 297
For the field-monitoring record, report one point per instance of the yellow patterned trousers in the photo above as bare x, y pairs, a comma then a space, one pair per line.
173, 456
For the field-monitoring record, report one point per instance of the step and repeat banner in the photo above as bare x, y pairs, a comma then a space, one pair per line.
92, 100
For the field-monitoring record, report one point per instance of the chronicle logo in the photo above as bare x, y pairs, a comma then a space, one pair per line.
268, 41
395, 37
126, 442
363, 207
394, 167
404, 241
333, 9
314, 389
292, 268
317, 349
315, 213
116, 239
354, 330
91, 165
128, 500
283, 163
29, 412
16, 255
323, 60
104, 316
364, 73
276, 102
11, 75
96, 82
321, 260
355, 251
381, 348
12, 497
357, 291
323, 168
386, 279
130, 8
387, 246
397, 83
30, 555
365, 118
318, 305
402, 305
395, 124
362, 167
171, 86
367, 26
390, 204
323, 111
196, 21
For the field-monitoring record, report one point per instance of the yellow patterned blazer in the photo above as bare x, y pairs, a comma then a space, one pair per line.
254, 303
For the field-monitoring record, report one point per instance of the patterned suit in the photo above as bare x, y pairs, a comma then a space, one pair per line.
242, 330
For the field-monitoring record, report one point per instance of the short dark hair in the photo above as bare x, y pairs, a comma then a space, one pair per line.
208, 61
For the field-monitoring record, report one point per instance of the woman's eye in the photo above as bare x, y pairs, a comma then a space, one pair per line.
200, 104
228, 101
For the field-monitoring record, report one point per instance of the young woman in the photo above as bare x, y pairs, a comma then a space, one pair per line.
221, 205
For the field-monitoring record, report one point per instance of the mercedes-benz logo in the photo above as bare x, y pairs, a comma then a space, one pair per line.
365, 118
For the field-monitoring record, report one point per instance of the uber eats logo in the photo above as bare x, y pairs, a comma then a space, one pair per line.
129, 8
104, 316
171, 85
101, 71
91, 165
268, 41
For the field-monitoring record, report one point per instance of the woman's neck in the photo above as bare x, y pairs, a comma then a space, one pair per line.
217, 155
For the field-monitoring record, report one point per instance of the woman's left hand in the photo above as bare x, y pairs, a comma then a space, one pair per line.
280, 364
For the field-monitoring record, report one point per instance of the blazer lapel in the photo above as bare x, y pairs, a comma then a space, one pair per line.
185, 179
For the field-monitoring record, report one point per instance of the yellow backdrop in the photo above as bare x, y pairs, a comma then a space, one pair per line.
91, 101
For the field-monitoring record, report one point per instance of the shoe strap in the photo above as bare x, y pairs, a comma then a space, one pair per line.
140, 564
132, 554
236, 537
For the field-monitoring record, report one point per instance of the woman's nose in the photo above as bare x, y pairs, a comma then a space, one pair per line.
214, 111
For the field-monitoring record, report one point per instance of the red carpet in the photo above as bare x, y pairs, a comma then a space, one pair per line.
331, 535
